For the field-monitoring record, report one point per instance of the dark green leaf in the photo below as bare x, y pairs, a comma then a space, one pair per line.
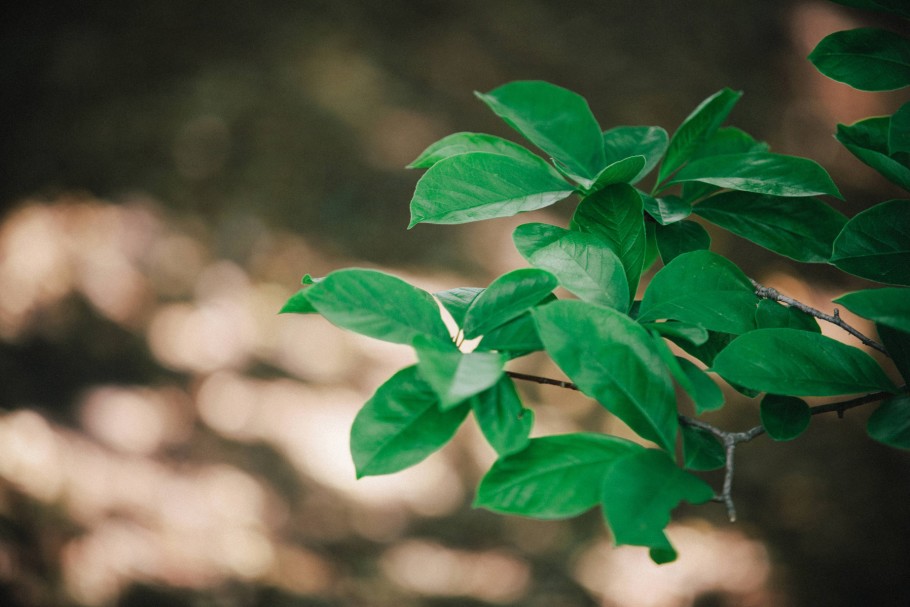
706, 394
621, 171
625, 141
401, 425
772, 315
506, 298
298, 304
517, 337
890, 424
868, 141
554, 477
554, 119
890, 306
480, 185
681, 237
701, 449
455, 375
727, 140
707, 351
803, 229
458, 300
762, 173
694, 334
651, 252
463, 143
701, 288
612, 359
583, 263
697, 128
875, 244
800, 363
377, 305
639, 492
503, 420
868, 59
615, 215
899, 131
784, 417
666, 209
897, 343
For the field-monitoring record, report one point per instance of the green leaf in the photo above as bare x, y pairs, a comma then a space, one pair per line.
554, 477
615, 215
707, 351
651, 252
727, 140
298, 304
868, 141
401, 425
875, 244
890, 306
517, 337
463, 143
556, 120
799, 363
762, 173
621, 171
625, 141
890, 423
455, 375
503, 420
868, 59
666, 209
772, 315
899, 131
697, 128
377, 305
897, 343
612, 359
639, 492
803, 229
701, 449
706, 394
458, 300
583, 263
681, 237
506, 298
784, 417
701, 288
480, 185
694, 334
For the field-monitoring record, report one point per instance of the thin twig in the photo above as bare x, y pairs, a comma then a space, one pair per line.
835, 319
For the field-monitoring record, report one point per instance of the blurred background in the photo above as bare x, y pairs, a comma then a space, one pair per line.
170, 171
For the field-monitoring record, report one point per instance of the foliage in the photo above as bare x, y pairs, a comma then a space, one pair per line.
613, 347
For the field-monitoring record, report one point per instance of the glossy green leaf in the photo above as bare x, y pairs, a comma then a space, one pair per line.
457, 301
701, 449
705, 352
875, 244
651, 252
554, 477
890, 423
401, 425
516, 337
463, 143
694, 334
621, 171
897, 343
639, 492
762, 173
784, 417
625, 141
612, 359
889, 306
799, 363
681, 237
696, 129
727, 140
506, 298
377, 305
298, 304
583, 263
705, 393
455, 375
803, 229
772, 315
868, 59
899, 131
868, 141
701, 288
615, 215
556, 120
503, 420
666, 209
480, 185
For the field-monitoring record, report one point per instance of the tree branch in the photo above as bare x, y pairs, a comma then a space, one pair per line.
835, 319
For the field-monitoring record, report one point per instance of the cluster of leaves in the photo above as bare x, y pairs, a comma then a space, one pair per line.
612, 346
